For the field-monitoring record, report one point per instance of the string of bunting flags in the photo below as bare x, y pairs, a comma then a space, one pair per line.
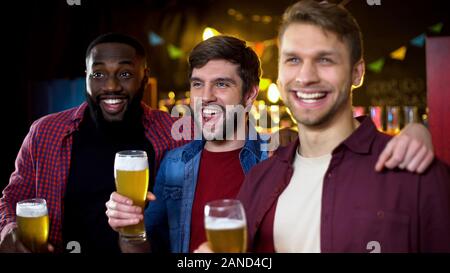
175, 52
260, 46
400, 53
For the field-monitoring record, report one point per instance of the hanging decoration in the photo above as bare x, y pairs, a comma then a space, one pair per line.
260, 46
418, 41
174, 52
154, 39
436, 28
376, 66
399, 54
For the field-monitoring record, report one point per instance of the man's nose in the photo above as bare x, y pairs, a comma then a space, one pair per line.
307, 74
112, 84
208, 94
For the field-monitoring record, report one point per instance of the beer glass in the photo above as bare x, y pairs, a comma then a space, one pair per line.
376, 114
131, 175
393, 124
33, 224
226, 227
411, 114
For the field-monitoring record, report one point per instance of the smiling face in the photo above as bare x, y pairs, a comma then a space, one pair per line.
114, 77
315, 73
218, 85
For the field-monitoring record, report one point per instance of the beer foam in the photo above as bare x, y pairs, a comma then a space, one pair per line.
130, 163
223, 223
31, 209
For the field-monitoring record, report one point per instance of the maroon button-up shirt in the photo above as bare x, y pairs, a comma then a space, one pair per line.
362, 210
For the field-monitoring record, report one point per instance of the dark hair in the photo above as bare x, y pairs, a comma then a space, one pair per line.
232, 49
328, 16
113, 37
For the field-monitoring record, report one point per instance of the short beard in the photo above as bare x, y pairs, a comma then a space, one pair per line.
327, 117
224, 133
132, 114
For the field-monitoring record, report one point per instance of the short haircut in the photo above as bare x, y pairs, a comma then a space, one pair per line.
231, 49
330, 17
120, 38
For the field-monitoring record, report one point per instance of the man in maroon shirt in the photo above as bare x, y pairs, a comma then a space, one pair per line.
224, 72
321, 193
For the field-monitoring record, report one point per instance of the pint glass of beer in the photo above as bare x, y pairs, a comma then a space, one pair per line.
33, 224
131, 173
226, 227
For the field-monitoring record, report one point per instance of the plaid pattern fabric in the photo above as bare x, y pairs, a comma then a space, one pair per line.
42, 165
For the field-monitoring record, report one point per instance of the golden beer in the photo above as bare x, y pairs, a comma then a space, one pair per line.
226, 235
131, 173
226, 226
33, 224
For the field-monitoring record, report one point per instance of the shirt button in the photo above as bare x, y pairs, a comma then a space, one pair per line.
380, 214
329, 175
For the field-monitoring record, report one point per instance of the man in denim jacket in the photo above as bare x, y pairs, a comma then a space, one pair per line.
224, 77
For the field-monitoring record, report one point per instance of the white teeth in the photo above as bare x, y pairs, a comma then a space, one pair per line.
309, 101
209, 112
113, 101
310, 97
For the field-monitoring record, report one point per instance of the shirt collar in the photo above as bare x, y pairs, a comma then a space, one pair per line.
254, 147
287, 153
191, 149
75, 119
194, 147
360, 141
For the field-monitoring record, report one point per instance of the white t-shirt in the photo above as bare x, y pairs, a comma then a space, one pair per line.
297, 216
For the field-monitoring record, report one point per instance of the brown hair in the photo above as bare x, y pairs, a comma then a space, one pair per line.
328, 16
232, 49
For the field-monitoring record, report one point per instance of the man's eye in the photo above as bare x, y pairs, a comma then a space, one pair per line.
222, 84
97, 75
125, 75
292, 60
196, 84
325, 61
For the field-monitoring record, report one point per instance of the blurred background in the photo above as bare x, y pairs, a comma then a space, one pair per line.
44, 45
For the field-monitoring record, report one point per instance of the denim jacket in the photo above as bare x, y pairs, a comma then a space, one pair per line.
168, 218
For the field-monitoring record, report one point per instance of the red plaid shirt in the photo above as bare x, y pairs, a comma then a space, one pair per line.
42, 165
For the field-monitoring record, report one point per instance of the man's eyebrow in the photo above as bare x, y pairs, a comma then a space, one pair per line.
129, 62
219, 79
195, 79
126, 62
328, 53
97, 63
225, 80
288, 53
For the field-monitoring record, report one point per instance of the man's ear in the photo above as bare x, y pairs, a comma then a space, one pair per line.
358, 74
146, 75
250, 96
